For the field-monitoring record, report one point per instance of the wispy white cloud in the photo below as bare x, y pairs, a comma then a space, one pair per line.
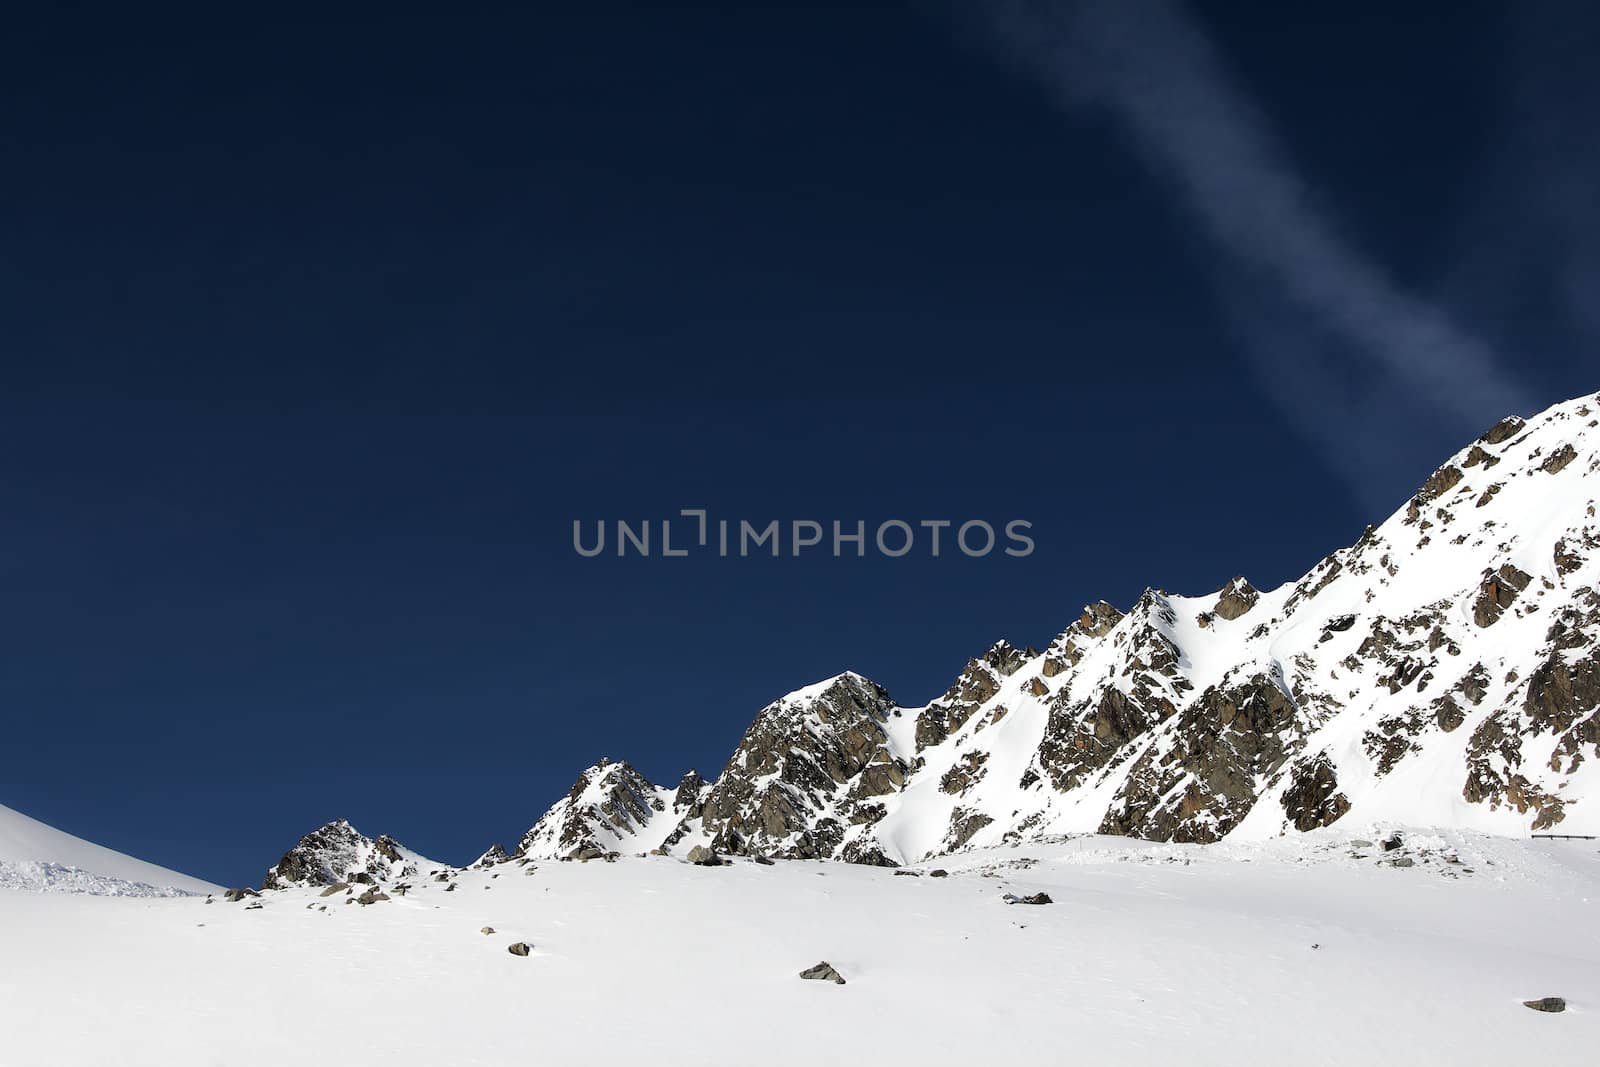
1362, 344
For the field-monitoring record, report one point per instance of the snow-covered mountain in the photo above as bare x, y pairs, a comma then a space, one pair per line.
1444, 670
36, 856
611, 807
339, 854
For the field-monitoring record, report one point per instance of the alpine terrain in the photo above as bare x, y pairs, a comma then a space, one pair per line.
1444, 670
1256, 826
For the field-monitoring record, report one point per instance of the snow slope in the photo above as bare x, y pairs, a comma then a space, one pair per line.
1305, 950
36, 856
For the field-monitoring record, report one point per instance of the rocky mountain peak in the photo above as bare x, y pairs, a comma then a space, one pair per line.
807, 768
610, 807
1097, 619
338, 852
691, 788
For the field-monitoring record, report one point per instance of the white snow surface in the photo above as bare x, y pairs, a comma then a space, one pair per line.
35, 856
1303, 950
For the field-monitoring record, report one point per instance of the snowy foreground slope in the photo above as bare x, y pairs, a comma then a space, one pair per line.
1305, 950
1444, 670
36, 856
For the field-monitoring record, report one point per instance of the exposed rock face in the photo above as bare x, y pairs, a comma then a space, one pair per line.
1497, 592
1234, 599
978, 682
1503, 430
691, 789
338, 852
1452, 651
1313, 798
804, 771
1088, 728
1199, 789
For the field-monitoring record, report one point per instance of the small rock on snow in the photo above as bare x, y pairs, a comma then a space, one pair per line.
1546, 1004
823, 972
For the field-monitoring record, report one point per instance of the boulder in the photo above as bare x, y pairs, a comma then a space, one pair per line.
1032, 898
823, 972
519, 948
1551, 1004
704, 856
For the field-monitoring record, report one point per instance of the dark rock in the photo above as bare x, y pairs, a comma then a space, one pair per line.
964, 823
802, 756
1200, 788
1392, 842
1439, 483
691, 788
495, 856
701, 856
1551, 1004
976, 684
1235, 599
1503, 430
823, 972
519, 948
938, 872
1557, 461
1034, 898
1313, 798
1498, 590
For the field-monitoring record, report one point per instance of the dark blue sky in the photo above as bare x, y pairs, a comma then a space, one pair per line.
319, 333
